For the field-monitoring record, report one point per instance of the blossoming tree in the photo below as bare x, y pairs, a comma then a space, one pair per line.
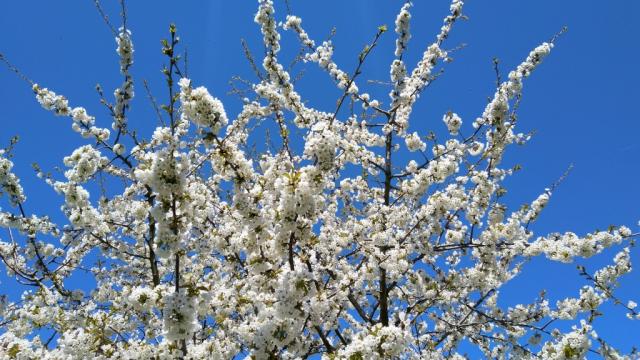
342, 249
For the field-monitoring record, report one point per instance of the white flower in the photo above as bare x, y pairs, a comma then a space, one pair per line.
142, 298
200, 107
84, 162
453, 122
125, 49
402, 28
475, 148
9, 182
51, 101
414, 143
194, 238
295, 23
624, 231
119, 149
179, 316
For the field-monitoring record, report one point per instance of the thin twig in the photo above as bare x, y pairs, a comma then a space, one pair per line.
11, 67
153, 102
105, 17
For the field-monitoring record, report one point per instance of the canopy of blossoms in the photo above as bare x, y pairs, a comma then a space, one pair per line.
340, 248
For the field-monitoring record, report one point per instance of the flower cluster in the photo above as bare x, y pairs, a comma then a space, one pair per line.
124, 94
52, 101
496, 112
565, 247
82, 122
402, 29
294, 22
573, 345
9, 182
414, 143
264, 17
335, 241
124, 49
323, 56
453, 122
378, 343
142, 298
200, 107
321, 145
165, 173
84, 163
179, 316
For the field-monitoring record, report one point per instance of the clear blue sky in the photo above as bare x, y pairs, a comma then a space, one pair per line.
581, 102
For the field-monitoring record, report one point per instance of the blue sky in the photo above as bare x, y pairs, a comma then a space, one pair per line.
581, 102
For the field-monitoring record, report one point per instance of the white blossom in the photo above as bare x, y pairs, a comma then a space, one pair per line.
453, 122
414, 142
9, 182
200, 107
402, 28
330, 239
179, 316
